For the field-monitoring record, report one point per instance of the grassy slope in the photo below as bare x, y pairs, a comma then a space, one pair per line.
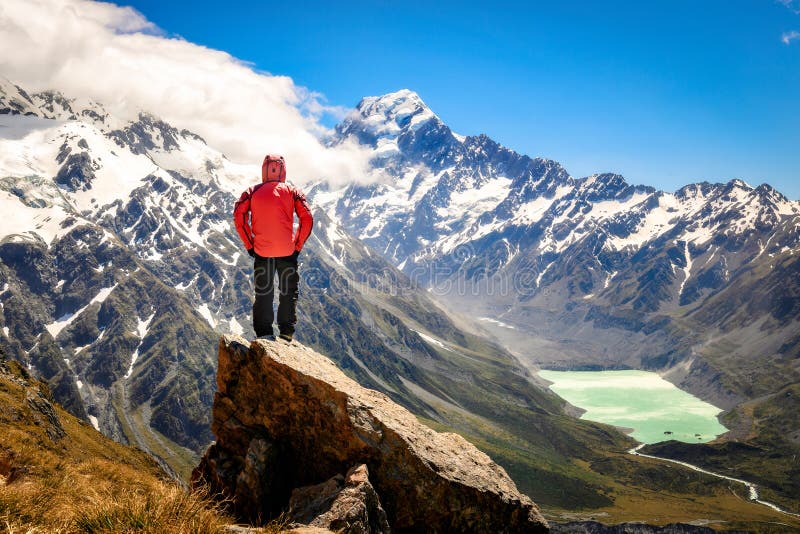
82, 481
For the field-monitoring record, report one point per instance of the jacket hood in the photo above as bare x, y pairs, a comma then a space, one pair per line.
273, 169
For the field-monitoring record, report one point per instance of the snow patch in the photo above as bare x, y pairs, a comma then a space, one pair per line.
43, 221
609, 278
236, 327
532, 211
152, 255
654, 223
607, 208
541, 274
687, 271
205, 313
498, 323
433, 341
699, 235
141, 330
184, 286
474, 202
143, 326
62, 322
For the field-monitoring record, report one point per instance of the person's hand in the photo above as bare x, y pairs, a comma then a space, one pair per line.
252, 252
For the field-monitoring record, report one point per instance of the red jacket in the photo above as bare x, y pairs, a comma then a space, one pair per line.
264, 216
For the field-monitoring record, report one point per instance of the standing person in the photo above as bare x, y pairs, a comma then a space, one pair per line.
264, 217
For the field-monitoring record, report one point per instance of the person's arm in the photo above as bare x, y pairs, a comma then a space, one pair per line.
241, 217
306, 220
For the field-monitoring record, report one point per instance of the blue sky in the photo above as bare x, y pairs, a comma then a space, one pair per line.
663, 92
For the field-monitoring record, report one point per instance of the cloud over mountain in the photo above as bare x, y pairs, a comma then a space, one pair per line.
114, 55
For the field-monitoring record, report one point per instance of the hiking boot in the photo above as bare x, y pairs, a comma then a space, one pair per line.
269, 337
286, 337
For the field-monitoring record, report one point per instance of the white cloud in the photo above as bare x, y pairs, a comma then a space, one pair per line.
792, 5
115, 56
788, 37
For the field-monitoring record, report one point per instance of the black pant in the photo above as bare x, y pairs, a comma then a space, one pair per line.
288, 278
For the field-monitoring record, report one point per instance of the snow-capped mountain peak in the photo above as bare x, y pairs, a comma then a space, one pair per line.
54, 105
395, 123
394, 112
15, 100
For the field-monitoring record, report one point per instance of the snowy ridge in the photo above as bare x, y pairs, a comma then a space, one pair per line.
155, 189
92, 167
133, 210
453, 201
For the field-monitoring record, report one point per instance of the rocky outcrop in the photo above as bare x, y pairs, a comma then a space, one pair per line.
77, 173
44, 414
286, 417
38, 407
343, 504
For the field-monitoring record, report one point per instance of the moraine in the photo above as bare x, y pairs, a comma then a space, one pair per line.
655, 410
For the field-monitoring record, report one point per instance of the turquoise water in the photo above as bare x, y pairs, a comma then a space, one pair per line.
655, 409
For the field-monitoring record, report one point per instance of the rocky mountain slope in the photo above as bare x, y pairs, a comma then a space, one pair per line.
114, 278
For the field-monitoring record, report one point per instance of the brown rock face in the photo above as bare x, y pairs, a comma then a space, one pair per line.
346, 504
286, 417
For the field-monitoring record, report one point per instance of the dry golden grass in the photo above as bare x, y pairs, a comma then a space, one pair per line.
85, 482
73, 501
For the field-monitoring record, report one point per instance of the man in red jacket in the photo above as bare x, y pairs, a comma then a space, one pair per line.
264, 217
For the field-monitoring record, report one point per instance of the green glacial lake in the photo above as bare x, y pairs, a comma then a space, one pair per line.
639, 400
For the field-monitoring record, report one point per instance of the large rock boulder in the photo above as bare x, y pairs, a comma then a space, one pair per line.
286, 417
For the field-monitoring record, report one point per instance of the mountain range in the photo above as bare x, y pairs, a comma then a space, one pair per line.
118, 263
578, 264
